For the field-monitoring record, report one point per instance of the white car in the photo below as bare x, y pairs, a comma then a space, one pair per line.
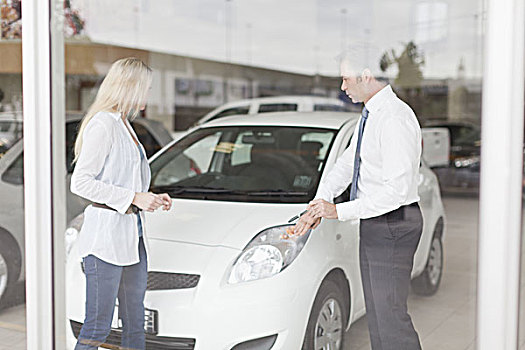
223, 275
300, 103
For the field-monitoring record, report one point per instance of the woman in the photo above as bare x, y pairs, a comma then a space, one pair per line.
113, 173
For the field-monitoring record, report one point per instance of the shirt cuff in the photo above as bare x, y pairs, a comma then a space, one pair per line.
347, 211
123, 207
324, 195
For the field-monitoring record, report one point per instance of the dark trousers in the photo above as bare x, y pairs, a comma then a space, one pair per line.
104, 283
387, 246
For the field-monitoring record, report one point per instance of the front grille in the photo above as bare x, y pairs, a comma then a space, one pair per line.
153, 342
165, 280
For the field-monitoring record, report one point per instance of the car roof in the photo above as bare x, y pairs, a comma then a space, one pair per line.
160, 132
445, 123
284, 99
327, 120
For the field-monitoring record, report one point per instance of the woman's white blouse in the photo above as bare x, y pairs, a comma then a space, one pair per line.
110, 171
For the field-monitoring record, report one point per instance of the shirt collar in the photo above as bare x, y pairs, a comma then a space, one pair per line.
376, 102
115, 115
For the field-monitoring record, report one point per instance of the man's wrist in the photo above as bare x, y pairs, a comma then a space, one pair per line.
336, 213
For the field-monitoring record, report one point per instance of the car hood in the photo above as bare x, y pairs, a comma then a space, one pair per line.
217, 223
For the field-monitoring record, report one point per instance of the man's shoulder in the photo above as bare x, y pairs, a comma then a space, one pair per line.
397, 109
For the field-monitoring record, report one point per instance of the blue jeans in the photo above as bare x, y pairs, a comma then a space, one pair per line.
104, 283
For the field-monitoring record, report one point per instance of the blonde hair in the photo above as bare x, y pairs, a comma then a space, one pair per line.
124, 90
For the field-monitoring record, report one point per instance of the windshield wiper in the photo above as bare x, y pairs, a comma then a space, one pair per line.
174, 190
276, 193
177, 189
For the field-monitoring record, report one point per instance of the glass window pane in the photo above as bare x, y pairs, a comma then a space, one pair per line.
231, 183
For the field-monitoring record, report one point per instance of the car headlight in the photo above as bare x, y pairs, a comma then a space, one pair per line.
268, 253
464, 162
72, 232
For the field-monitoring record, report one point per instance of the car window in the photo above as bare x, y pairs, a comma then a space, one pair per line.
10, 133
5, 126
190, 162
146, 138
329, 107
241, 155
247, 164
15, 173
71, 136
467, 136
277, 107
462, 135
231, 111
314, 146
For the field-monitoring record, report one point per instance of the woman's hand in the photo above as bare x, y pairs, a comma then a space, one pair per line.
150, 201
166, 200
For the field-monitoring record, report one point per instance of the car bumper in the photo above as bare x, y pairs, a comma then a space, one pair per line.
216, 314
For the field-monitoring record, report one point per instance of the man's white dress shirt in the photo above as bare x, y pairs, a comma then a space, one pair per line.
390, 157
110, 171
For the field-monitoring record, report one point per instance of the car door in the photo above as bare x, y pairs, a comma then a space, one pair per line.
75, 204
426, 189
347, 234
12, 191
146, 138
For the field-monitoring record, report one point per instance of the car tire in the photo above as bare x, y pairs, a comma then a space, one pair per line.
329, 305
427, 283
10, 263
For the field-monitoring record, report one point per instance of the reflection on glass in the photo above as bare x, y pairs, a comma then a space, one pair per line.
430, 51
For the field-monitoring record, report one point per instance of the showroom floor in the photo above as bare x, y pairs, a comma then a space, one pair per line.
443, 321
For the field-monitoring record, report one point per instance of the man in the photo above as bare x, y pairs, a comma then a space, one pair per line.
382, 163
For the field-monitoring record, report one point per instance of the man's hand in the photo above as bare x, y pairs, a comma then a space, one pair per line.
306, 221
322, 209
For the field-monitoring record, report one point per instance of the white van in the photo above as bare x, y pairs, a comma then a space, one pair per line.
436, 146
302, 103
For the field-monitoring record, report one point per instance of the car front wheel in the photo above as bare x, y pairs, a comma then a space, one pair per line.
428, 282
326, 325
9, 266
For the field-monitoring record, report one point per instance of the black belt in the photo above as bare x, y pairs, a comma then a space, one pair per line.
133, 209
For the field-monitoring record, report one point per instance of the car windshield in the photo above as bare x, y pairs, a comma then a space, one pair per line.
275, 164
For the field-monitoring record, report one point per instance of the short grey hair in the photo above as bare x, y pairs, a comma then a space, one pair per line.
358, 58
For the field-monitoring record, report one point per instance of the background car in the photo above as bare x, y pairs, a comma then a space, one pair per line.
152, 135
462, 172
11, 130
436, 146
300, 103
223, 252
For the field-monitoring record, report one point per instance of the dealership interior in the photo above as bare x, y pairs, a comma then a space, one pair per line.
231, 82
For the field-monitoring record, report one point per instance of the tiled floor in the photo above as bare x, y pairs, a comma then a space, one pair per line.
12, 328
445, 321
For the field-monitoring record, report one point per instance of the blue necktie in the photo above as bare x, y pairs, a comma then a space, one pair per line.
357, 158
